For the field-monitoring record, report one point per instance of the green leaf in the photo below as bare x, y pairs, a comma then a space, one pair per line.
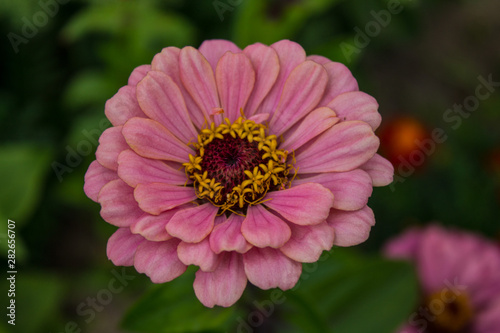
173, 308
37, 298
23, 168
260, 21
357, 294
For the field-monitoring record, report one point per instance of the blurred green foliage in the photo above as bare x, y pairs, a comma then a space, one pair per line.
52, 94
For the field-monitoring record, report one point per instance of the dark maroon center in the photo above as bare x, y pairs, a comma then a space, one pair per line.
226, 161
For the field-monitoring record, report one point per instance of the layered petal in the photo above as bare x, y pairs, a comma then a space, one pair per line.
308, 242
214, 49
227, 236
123, 106
198, 78
351, 228
380, 170
199, 254
301, 93
313, 125
262, 228
235, 79
135, 170
269, 268
155, 198
193, 224
343, 147
290, 55
319, 59
150, 139
159, 260
138, 74
305, 204
266, 63
350, 189
153, 227
340, 80
122, 246
161, 100
357, 105
111, 144
225, 285
95, 178
168, 62
118, 205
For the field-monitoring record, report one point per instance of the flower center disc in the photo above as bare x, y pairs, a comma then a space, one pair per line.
451, 316
236, 164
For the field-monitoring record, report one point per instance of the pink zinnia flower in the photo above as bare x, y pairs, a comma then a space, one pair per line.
459, 276
245, 163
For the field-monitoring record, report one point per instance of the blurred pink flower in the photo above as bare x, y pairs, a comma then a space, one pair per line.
200, 166
459, 275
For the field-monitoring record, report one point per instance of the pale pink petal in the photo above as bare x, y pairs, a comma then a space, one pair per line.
122, 246
161, 100
313, 125
259, 118
301, 93
138, 74
319, 59
159, 260
269, 268
344, 147
380, 170
225, 285
198, 78
267, 67
153, 227
262, 228
111, 144
404, 246
214, 49
150, 139
227, 236
95, 178
305, 204
193, 224
290, 55
134, 170
308, 242
350, 189
155, 198
123, 106
351, 228
118, 205
235, 79
199, 254
488, 320
340, 80
439, 256
357, 105
168, 62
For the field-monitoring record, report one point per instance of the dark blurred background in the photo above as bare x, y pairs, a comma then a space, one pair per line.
433, 66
